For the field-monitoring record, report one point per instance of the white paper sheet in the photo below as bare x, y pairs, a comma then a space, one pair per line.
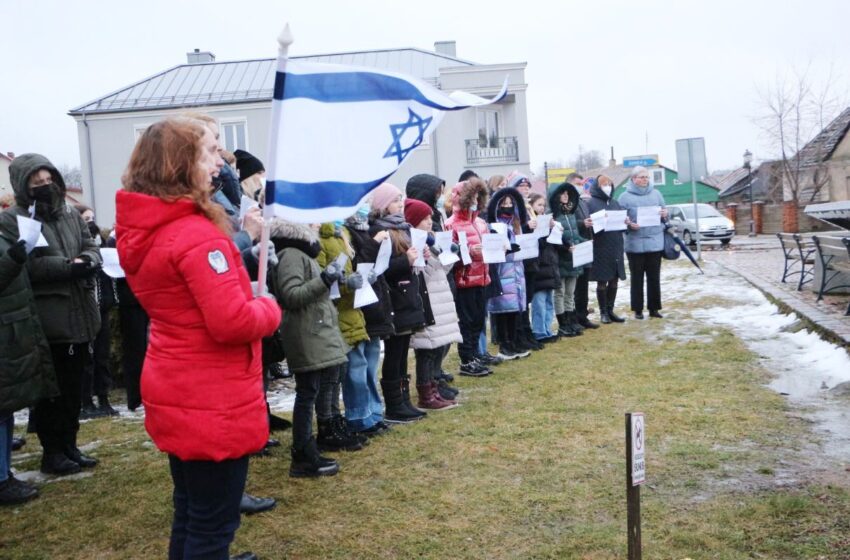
30, 231
493, 248
544, 225
583, 253
418, 239
500, 228
365, 295
616, 220
111, 265
244, 206
340, 260
554, 237
463, 243
382, 262
335, 290
648, 216
528, 246
443, 240
599, 220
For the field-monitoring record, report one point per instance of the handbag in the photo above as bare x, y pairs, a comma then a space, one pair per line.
672, 250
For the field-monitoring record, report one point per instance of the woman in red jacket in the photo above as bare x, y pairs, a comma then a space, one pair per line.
202, 384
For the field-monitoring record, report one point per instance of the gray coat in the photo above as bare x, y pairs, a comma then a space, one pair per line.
445, 329
645, 239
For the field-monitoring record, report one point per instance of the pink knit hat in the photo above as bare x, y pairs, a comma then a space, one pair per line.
384, 195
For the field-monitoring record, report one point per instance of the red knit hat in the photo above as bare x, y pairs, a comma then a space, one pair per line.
415, 211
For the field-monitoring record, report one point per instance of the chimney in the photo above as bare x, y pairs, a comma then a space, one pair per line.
199, 57
10, 155
448, 48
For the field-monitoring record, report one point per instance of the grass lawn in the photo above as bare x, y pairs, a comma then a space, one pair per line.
532, 465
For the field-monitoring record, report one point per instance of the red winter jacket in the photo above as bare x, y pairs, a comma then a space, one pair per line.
202, 382
476, 273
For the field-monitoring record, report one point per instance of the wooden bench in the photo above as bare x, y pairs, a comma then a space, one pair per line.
798, 251
834, 256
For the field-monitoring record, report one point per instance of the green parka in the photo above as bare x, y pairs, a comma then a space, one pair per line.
66, 306
335, 241
26, 368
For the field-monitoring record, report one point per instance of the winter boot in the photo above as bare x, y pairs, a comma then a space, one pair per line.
104, 407
572, 317
602, 299
394, 410
58, 464
18, 442
446, 391
342, 426
429, 398
405, 391
614, 317
330, 438
586, 323
307, 463
77, 456
564, 326
14, 491
435, 385
610, 298
88, 410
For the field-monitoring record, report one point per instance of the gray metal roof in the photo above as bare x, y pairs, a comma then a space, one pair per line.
213, 83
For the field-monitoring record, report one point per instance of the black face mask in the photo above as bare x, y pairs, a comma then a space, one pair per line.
506, 212
93, 229
566, 207
45, 194
217, 183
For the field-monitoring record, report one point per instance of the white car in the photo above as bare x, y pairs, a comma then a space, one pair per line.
713, 226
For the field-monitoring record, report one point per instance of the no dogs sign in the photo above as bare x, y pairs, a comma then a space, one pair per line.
638, 437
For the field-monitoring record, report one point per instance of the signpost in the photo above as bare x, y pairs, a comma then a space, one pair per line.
646, 160
690, 158
557, 175
635, 476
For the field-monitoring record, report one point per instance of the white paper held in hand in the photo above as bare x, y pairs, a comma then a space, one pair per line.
500, 228
648, 216
528, 246
418, 239
493, 248
382, 262
583, 253
599, 220
365, 295
340, 261
111, 264
244, 206
544, 225
616, 220
463, 243
29, 231
443, 240
555, 235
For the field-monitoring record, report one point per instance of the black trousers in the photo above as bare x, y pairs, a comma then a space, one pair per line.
57, 420
396, 349
206, 507
471, 310
645, 265
506, 327
97, 378
134, 339
580, 294
429, 363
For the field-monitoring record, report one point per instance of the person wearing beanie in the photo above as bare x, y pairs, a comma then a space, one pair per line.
252, 173
386, 197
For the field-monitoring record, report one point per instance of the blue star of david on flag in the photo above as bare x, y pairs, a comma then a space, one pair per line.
414, 121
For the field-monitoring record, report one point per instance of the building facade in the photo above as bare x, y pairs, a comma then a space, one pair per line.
489, 140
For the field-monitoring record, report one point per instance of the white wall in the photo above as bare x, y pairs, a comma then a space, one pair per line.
5, 183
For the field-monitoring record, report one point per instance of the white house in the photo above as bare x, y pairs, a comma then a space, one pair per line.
5, 182
490, 140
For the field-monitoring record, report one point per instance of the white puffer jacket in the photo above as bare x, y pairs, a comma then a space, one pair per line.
445, 328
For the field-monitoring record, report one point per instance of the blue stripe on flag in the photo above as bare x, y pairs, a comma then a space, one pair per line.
312, 196
344, 87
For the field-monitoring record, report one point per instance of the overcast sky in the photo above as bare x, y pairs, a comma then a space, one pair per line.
600, 73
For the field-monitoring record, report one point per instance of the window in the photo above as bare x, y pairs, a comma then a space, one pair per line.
234, 134
139, 129
488, 128
658, 176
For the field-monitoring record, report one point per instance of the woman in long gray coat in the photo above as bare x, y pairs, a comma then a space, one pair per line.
644, 245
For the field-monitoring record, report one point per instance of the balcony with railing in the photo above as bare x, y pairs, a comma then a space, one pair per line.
492, 150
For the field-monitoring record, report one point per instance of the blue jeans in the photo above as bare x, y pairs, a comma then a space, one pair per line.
482, 339
542, 313
6, 428
363, 407
206, 507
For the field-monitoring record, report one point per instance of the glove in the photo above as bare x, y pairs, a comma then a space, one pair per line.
372, 277
331, 274
18, 252
514, 248
82, 270
455, 248
272, 257
353, 281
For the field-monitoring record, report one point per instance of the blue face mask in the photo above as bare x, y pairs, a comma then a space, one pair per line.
473, 208
364, 210
441, 201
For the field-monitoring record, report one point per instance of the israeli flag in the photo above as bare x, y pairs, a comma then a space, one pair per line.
340, 131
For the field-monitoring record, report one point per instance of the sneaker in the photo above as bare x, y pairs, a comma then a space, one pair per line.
483, 366
74, 454
473, 369
520, 351
489, 359
378, 429
507, 353
14, 491
656, 315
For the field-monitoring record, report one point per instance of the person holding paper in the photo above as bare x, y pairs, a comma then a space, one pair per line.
546, 279
62, 276
26, 369
608, 264
644, 245
429, 345
563, 201
334, 432
585, 230
408, 306
469, 198
526, 334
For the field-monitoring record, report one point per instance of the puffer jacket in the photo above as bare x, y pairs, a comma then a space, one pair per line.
464, 195
26, 366
511, 296
202, 382
571, 235
379, 315
67, 306
548, 275
445, 329
310, 326
645, 239
607, 245
334, 241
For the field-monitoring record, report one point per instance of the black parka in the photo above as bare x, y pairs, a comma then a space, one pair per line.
378, 315
608, 261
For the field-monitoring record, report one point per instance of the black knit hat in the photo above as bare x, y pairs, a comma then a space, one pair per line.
247, 164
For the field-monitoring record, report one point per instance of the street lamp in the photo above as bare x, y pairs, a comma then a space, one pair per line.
748, 159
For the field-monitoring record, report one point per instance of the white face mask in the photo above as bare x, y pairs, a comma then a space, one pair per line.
606, 189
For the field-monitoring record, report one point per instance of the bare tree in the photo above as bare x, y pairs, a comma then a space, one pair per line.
587, 160
71, 175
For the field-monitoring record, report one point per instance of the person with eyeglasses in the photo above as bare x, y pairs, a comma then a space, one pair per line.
644, 245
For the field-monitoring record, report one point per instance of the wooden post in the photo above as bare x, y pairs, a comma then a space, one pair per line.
632, 499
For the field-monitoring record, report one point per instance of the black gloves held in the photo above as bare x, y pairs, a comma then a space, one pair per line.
18, 252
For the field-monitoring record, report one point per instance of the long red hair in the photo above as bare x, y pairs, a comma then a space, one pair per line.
164, 164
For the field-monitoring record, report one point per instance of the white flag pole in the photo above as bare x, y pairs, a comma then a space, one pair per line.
284, 40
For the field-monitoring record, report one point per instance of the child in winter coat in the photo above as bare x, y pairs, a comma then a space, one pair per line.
526, 334
315, 349
546, 279
508, 300
563, 201
430, 343
406, 297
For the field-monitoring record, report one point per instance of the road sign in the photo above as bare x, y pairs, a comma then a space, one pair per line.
638, 465
644, 160
690, 159
558, 175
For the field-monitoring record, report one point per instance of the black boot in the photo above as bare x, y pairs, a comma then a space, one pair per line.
307, 463
88, 410
602, 299
611, 297
104, 407
58, 464
394, 410
564, 327
447, 391
572, 317
14, 491
74, 454
614, 317
18, 442
331, 438
405, 391
586, 323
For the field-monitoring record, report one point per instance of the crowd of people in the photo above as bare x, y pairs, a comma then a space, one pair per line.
200, 343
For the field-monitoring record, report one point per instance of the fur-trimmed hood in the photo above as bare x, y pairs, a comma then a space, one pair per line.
555, 195
465, 193
286, 234
520, 211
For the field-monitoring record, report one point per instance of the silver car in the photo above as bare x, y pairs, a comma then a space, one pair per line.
713, 226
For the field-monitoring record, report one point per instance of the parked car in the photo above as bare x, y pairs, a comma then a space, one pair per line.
713, 226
